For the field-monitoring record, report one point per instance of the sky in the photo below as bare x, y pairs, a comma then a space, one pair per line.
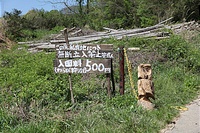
26, 5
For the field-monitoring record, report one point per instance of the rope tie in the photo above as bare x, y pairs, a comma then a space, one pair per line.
129, 73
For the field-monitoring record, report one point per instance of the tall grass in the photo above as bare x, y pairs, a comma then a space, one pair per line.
34, 99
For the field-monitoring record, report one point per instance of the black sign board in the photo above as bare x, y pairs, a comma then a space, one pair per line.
82, 66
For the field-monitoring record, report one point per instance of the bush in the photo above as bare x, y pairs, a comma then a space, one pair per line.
32, 93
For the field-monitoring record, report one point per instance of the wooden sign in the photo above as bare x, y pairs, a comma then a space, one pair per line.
82, 66
82, 58
84, 51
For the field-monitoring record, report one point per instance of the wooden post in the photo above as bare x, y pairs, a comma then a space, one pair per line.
71, 90
65, 32
70, 79
109, 86
112, 78
121, 65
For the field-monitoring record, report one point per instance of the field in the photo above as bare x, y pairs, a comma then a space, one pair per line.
35, 99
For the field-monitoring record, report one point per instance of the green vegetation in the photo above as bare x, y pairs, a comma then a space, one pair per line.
34, 99
97, 14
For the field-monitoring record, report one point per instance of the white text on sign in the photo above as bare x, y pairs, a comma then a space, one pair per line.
82, 66
84, 51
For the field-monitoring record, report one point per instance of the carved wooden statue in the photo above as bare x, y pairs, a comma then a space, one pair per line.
145, 86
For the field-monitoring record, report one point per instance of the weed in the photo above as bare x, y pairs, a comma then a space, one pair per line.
31, 92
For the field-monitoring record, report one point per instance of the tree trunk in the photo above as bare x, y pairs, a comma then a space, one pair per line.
80, 7
88, 7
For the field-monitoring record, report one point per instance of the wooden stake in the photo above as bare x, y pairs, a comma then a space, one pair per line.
71, 90
109, 86
70, 79
112, 78
121, 64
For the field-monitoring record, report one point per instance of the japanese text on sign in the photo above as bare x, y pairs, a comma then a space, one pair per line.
84, 51
82, 66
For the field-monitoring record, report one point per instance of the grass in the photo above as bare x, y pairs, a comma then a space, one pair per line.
34, 99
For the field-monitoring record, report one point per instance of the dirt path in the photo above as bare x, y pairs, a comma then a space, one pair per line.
188, 121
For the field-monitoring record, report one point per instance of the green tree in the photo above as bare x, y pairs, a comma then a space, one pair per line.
41, 19
53, 18
113, 13
14, 24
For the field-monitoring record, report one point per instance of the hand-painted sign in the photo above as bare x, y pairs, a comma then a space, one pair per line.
79, 58
84, 47
84, 51
82, 66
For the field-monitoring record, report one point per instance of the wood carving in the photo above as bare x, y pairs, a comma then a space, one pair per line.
145, 86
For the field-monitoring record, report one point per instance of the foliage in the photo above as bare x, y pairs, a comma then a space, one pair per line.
7, 121
140, 13
113, 14
35, 99
97, 14
35, 22
40, 19
179, 51
14, 25
32, 93
186, 10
